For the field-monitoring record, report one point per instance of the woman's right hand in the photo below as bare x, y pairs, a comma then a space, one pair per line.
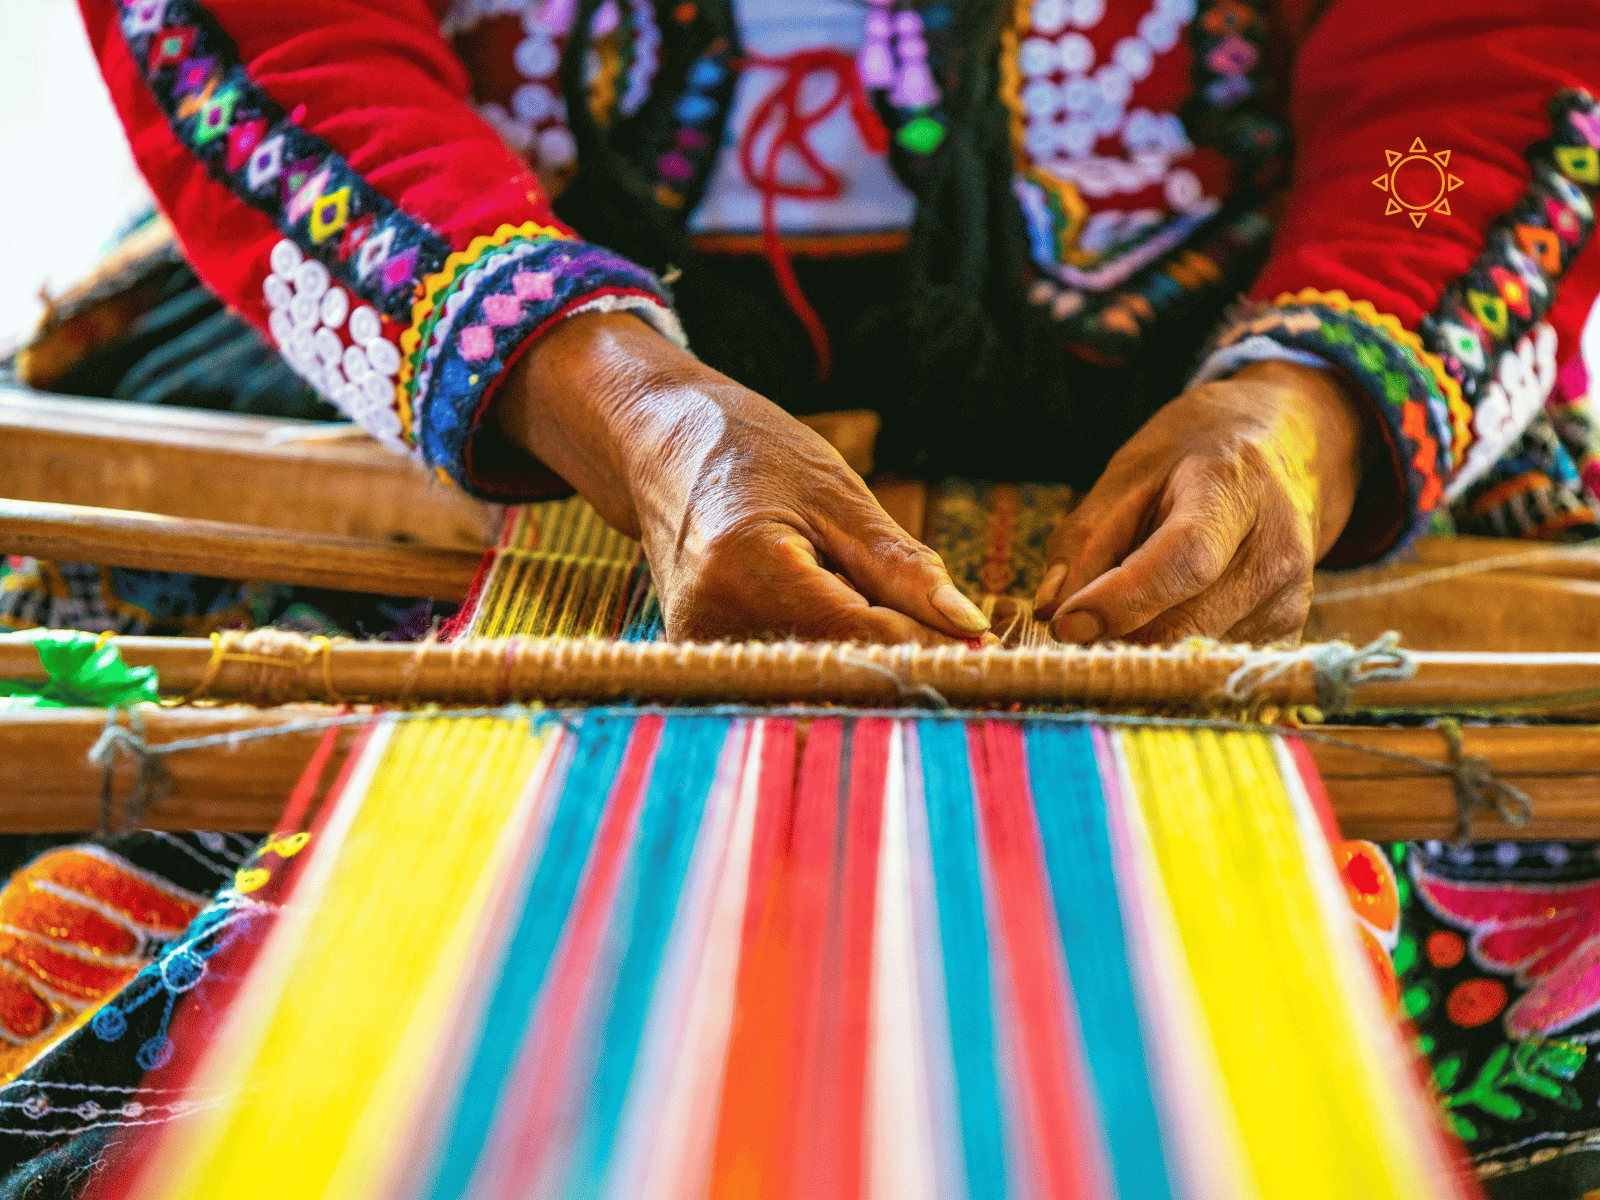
751, 521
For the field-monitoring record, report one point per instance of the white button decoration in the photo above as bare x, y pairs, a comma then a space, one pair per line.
1087, 13
305, 317
378, 389
1048, 16
355, 363
365, 324
1134, 57
329, 348
285, 257
305, 310
311, 279
335, 307
1041, 98
277, 290
1092, 93
1077, 54
533, 102
536, 56
383, 356
556, 148
1036, 57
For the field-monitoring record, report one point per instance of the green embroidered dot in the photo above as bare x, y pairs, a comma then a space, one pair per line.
1402, 889
1465, 1129
1337, 333
1370, 357
1416, 1001
921, 136
1395, 389
1405, 954
1398, 851
1425, 1044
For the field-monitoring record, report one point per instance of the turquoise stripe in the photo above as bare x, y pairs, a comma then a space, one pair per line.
1071, 810
964, 938
601, 742
647, 901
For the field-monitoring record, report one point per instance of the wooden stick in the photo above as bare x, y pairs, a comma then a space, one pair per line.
271, 667
50, 785
207, 465
129, 539
1513, 611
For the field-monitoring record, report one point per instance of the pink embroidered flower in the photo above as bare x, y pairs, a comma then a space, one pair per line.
1545, 934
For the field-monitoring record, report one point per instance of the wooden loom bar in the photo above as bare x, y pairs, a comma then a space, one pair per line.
130, 539
50, 785
271, 667
190, 463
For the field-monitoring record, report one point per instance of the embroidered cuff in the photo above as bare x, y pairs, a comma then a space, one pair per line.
1411, 398
1230, 359
477, 315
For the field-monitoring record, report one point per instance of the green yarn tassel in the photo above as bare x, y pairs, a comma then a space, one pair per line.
84, 673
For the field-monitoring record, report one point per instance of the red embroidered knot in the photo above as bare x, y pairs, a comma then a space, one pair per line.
783, 115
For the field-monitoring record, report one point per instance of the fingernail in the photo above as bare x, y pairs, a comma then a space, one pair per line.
1050, 585
1079, 627
957, 609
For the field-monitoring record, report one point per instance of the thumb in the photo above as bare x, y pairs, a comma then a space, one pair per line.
891, 568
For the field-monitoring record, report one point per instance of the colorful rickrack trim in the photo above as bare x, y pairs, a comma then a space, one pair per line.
1388, 369
1512, 284
525, 285
442, 293
246, 142
1456, 419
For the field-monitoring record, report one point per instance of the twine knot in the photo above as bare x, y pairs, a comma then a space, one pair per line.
1476, 787
1338, 669
151, 783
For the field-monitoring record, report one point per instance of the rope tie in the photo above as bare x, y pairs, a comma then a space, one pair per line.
275, 653
920, 695
1476, 788
1338, 669
151, 782
1475, 785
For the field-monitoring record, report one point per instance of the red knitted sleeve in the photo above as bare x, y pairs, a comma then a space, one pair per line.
328, 178
1432, 246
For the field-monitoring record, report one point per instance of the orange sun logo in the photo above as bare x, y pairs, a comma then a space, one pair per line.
1417, 183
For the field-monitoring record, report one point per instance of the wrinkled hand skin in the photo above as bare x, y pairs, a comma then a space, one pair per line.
1209, 520
751, 522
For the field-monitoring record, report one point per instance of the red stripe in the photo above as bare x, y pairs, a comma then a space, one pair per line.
831, 1124
1318, 794
779, 993
1061, 1124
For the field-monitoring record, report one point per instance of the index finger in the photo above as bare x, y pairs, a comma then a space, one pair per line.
1187, 553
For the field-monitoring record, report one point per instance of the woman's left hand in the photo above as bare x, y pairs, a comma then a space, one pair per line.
1209, 520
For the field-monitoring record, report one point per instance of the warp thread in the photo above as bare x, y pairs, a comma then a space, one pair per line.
1475, 784
1577, 550
1338, 669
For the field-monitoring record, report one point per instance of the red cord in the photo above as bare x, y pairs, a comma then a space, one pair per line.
791, 128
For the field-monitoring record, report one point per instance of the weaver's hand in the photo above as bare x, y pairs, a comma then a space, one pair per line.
1209, 520
745, 514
